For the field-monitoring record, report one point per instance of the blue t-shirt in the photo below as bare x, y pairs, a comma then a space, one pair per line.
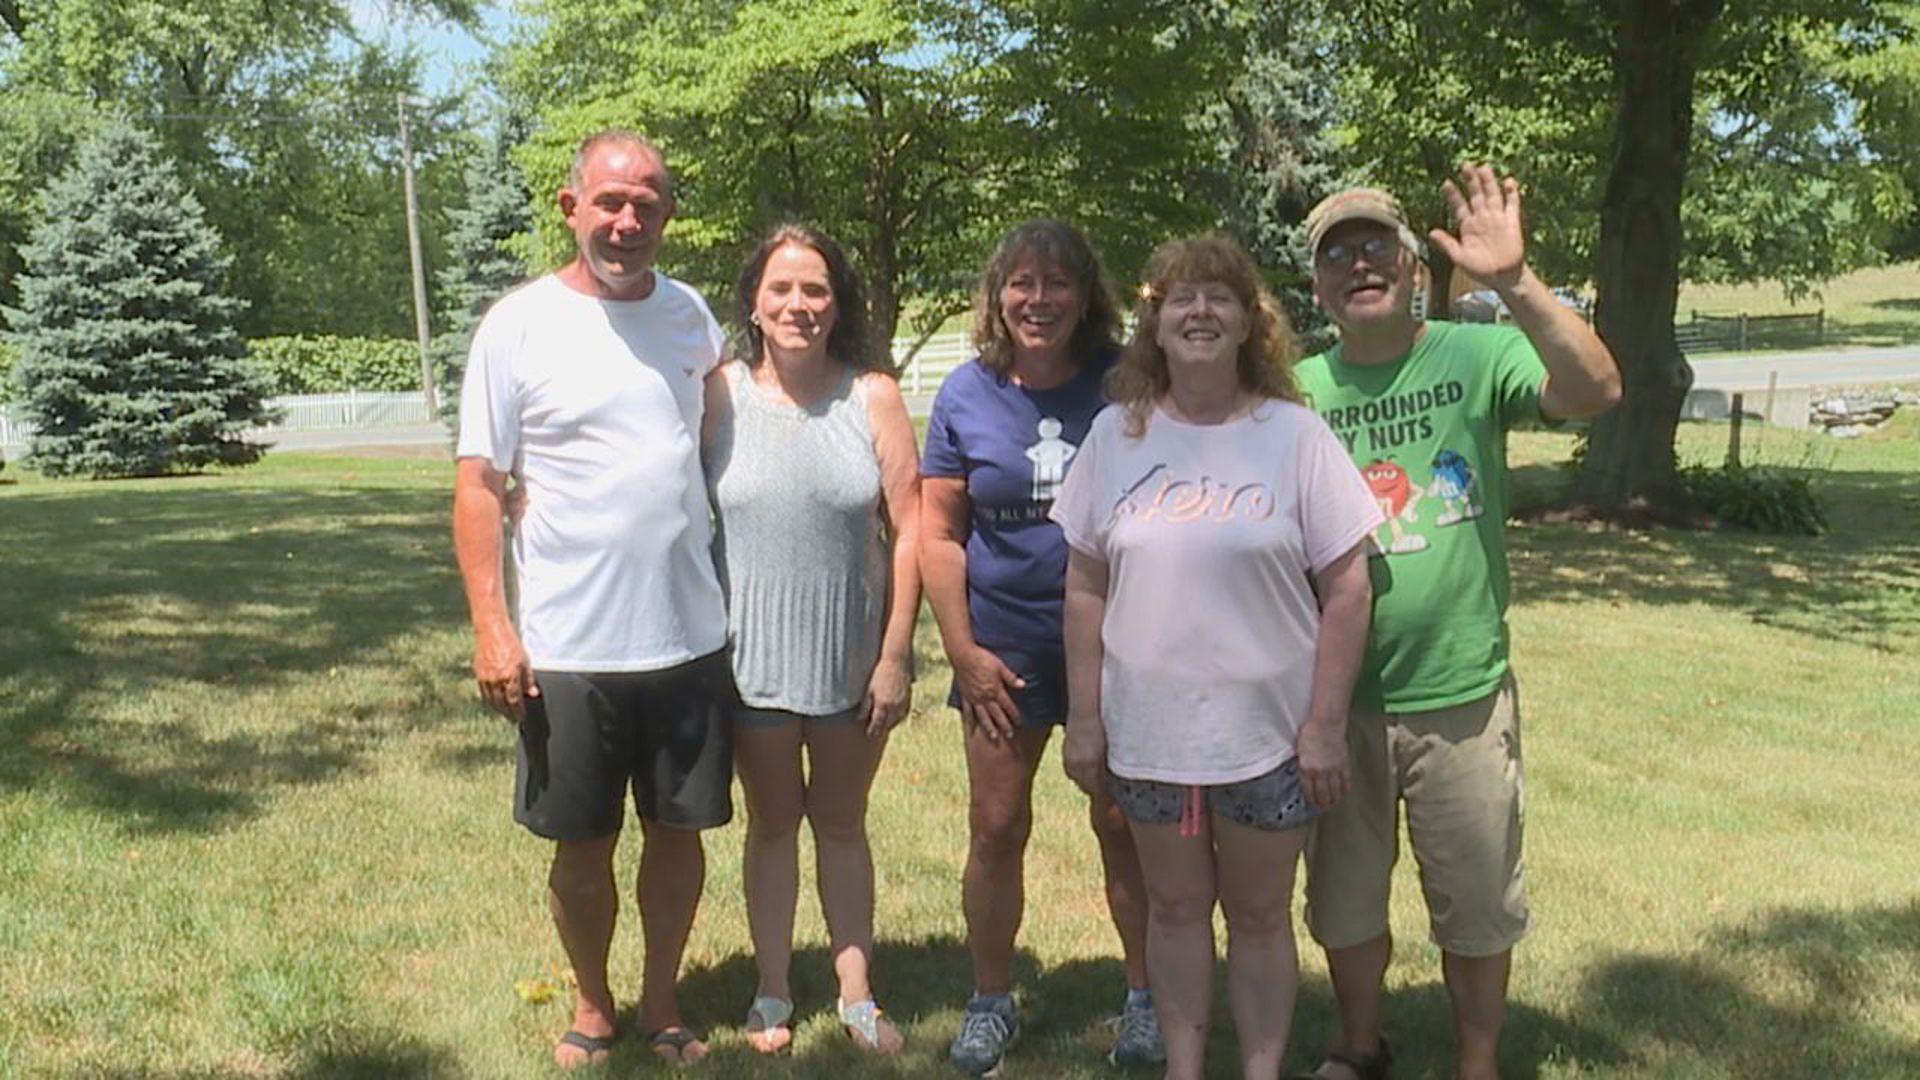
1012, 445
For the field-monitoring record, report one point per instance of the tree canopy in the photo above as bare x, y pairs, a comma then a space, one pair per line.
1658, 141
277, 119
915, 132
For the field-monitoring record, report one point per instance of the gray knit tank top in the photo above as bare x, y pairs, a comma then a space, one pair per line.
796, 492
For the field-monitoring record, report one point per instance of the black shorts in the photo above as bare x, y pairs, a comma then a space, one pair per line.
1043, 701
589, 737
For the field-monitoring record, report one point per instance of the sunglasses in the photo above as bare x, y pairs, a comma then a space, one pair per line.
1340, 255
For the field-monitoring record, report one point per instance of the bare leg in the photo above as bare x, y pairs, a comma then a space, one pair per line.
1180, 888
1478, 987
673, 869
1255, 870
1000, 817
768, 759
581, 895
842, 760
1126, 887
1359, 973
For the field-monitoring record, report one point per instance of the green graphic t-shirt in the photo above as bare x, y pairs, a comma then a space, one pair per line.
1428, 432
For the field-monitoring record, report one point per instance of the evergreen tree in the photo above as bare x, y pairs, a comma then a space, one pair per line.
480, 267
128, 361
1274, 131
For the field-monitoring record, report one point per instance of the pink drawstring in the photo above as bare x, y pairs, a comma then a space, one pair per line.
1190, 812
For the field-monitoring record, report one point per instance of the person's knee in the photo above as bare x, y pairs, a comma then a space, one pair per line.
773, 824
671, 843
837, 825
582, 867
1000, 830
1179, 906
1260, 913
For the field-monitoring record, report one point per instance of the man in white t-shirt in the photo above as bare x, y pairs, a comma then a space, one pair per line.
585, 386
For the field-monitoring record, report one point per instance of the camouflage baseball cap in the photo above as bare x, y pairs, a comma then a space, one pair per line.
1358, 204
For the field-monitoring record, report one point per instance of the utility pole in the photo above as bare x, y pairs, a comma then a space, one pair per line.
419, 264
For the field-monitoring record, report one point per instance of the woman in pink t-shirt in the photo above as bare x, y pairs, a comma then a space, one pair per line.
1216, 609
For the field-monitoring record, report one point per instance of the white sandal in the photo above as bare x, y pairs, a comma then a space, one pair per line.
769, 1013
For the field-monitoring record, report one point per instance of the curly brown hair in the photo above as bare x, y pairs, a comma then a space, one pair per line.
1265, 363
1059, 244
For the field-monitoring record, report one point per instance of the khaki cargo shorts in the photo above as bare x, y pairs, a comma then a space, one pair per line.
1458, 772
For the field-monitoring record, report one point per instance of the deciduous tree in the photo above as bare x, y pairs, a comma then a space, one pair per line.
1716, 139
914, 130
277, 118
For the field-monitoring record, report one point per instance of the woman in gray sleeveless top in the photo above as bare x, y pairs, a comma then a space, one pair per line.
814, 475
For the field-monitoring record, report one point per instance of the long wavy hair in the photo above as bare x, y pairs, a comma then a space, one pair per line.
848, 341
1265, 361
1055, 243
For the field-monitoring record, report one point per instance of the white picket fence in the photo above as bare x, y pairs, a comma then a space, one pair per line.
13, 434
353, 409
299, 412
373, 409
941, 354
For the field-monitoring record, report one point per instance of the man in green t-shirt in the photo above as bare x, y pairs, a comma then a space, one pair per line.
1424, 408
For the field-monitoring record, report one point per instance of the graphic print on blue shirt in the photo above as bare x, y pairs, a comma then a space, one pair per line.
1012, 445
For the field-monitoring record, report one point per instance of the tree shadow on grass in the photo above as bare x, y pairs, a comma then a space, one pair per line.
191, 595
1858, 584
1898, 303
349, 1055
1828, 970
923, 986
1064, 1009
1419, 1022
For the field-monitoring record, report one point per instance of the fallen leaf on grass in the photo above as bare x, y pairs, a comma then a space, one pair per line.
535, 991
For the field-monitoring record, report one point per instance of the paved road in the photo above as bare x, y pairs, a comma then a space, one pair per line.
1727, 372
420, 435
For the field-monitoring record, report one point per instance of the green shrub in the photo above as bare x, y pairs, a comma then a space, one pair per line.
7, 353
1761, 498
322, 364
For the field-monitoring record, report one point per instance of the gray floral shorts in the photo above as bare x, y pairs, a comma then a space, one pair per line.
1272, 801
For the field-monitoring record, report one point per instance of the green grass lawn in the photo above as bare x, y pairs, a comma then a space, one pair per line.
1878, 306
252, 822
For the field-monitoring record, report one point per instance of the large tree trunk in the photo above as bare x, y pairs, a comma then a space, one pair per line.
1439, 284
1629, 471
882, 252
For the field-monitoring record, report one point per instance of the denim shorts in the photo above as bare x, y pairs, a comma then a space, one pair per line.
1043, 701
748, 716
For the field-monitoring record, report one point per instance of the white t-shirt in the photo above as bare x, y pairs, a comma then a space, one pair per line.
598, 403
1209, 534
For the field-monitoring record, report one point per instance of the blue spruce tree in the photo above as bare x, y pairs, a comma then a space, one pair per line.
480, 266
128, 362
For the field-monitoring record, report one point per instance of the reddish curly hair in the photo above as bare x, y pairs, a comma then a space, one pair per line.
1265, 362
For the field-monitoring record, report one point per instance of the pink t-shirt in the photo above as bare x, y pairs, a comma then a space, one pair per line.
1210, 533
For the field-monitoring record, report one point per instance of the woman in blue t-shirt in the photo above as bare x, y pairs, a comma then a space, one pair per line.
1004, 428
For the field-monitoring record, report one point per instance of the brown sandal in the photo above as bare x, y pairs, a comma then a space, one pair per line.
1375, 1066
